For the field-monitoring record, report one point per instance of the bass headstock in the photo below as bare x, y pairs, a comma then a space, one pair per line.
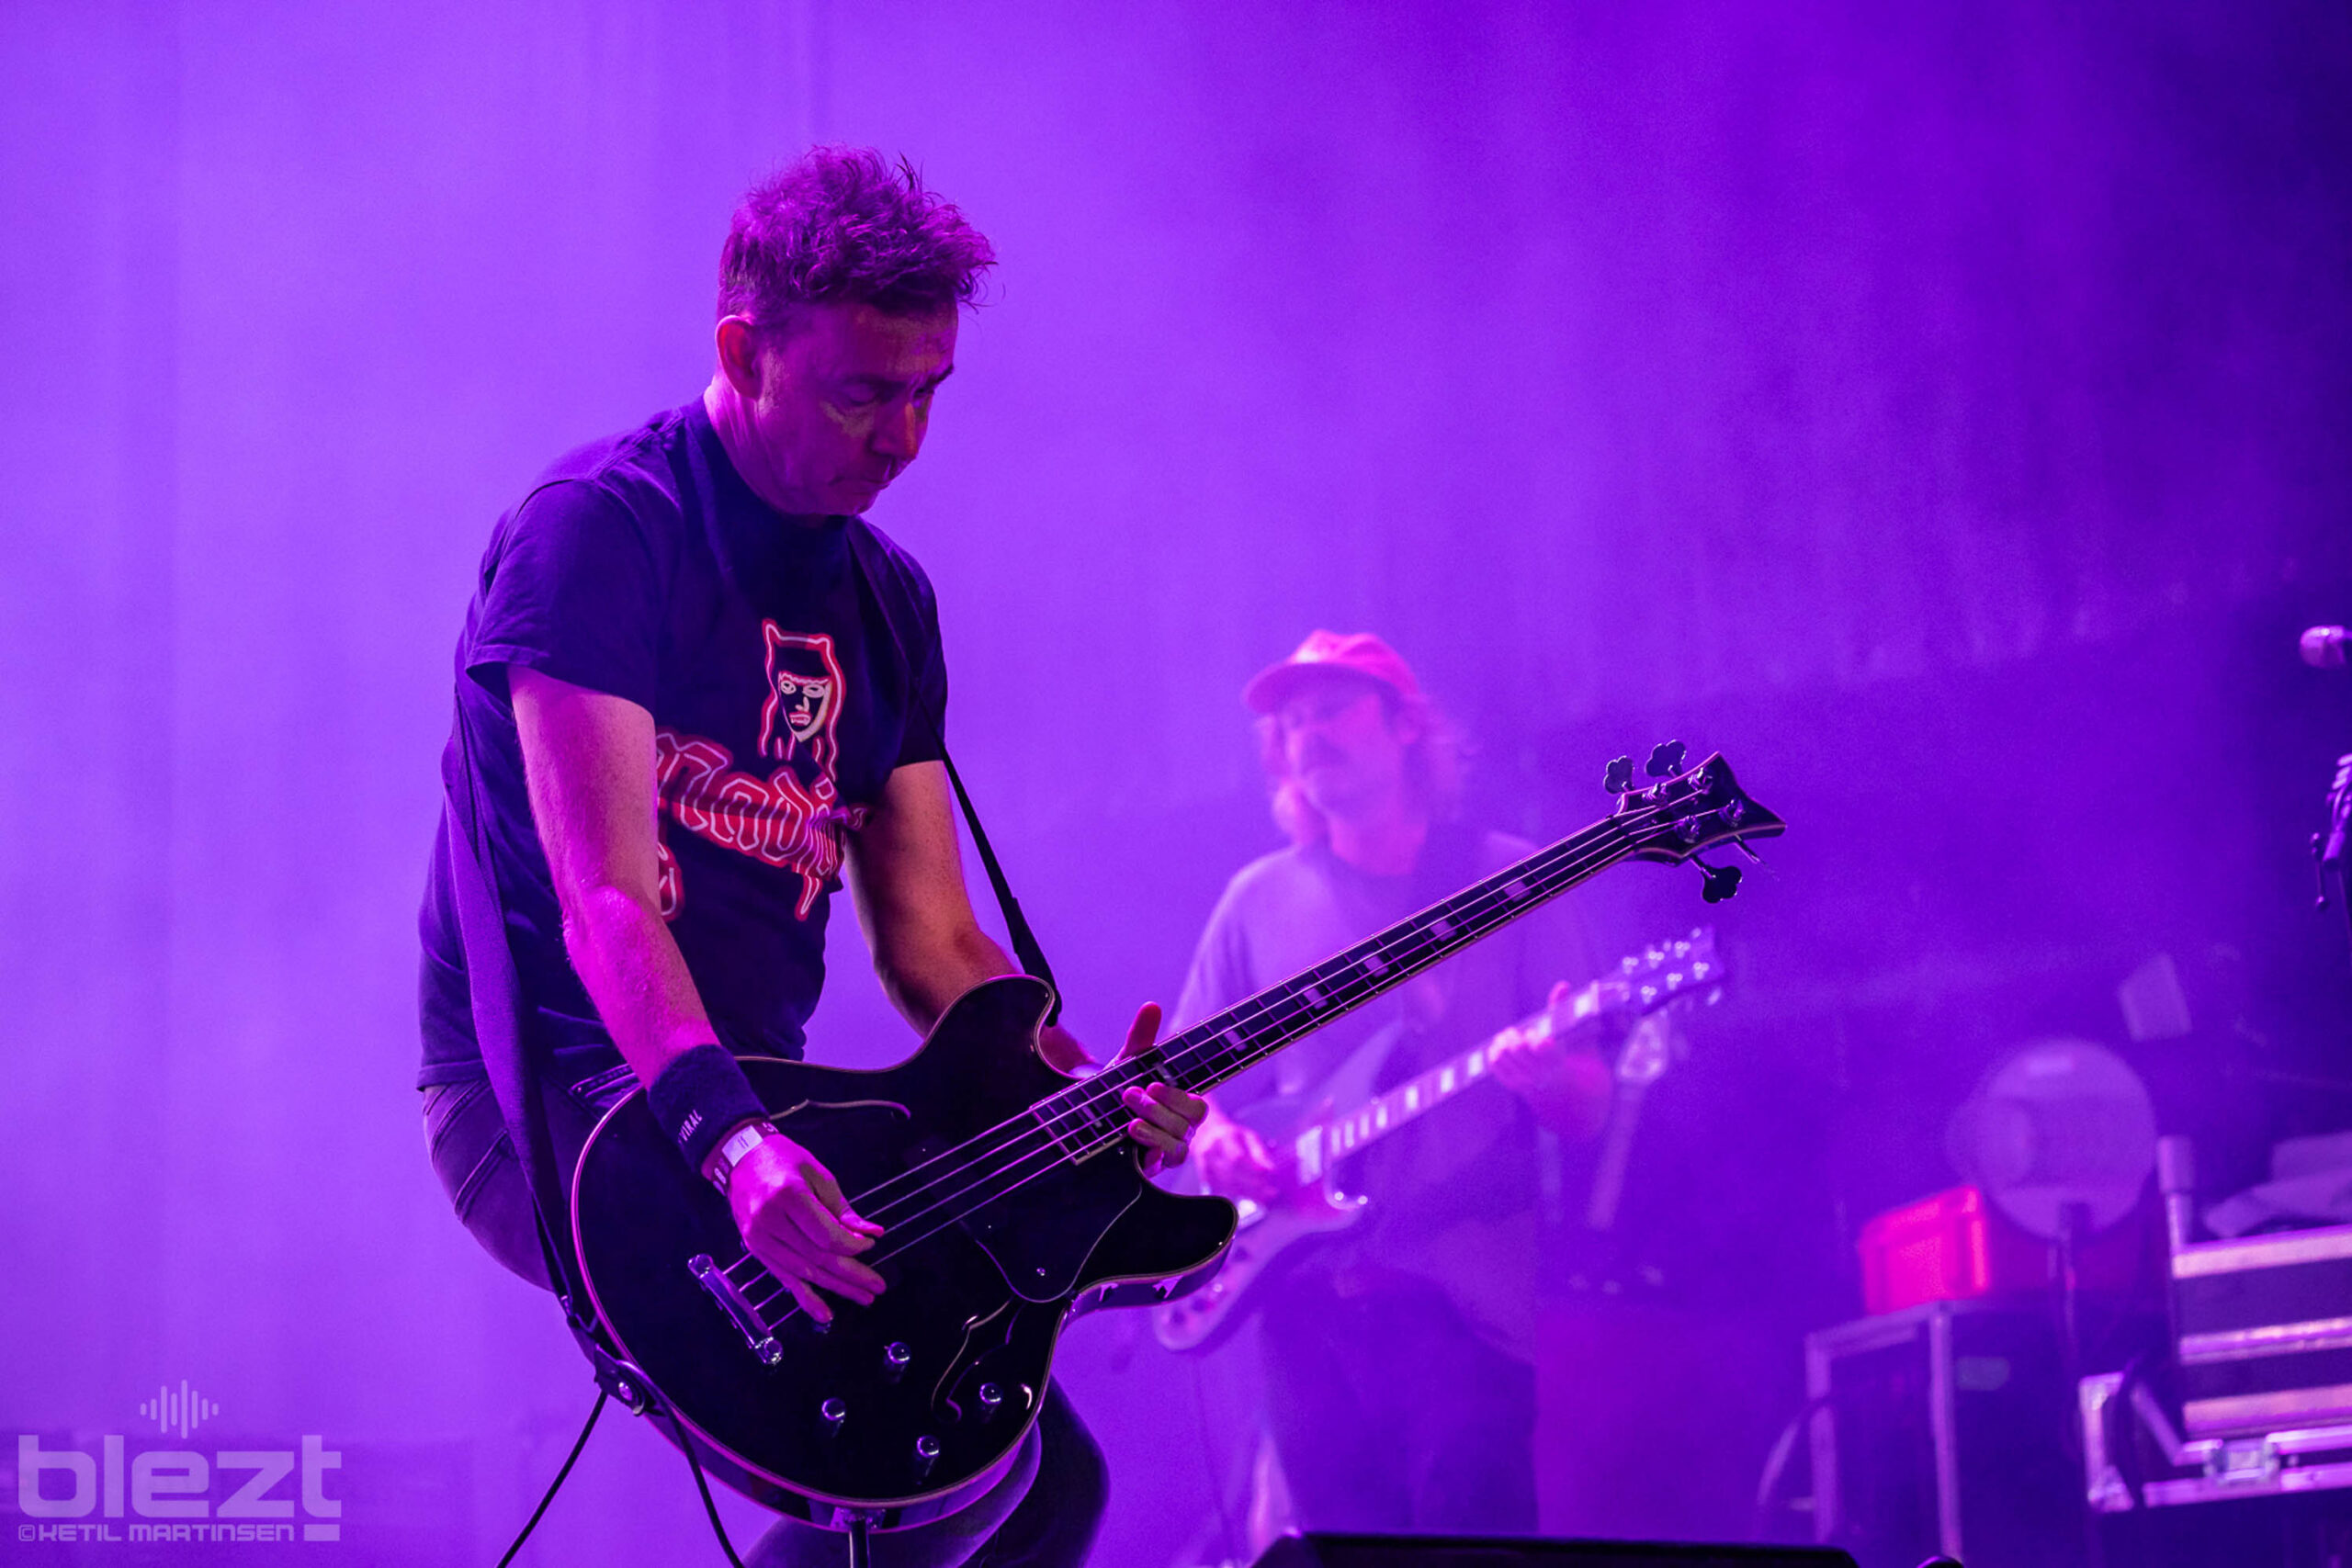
1686, 812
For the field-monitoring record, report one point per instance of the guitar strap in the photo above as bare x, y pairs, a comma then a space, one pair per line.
1016, 925
497, 1007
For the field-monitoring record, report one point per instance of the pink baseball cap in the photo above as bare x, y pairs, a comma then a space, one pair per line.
1357, 653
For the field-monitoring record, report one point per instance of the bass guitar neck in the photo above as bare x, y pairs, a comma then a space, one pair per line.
1312, 1206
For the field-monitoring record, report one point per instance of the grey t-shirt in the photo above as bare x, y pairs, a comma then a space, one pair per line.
1453, 1196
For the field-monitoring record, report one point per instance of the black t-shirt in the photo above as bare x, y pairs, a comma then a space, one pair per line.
777, 656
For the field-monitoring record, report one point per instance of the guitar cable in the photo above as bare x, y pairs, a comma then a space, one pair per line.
556, 1484
693, 1464
703, 1486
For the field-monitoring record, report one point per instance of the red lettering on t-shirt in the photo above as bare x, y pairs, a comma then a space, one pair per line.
776, 821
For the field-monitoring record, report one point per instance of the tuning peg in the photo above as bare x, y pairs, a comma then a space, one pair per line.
1717, 882
1618, 777
1666, 758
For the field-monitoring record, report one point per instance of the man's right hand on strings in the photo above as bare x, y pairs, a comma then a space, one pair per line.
796, 1222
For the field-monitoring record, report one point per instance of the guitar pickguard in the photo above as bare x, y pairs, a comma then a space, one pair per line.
984, 1335
1041, 1235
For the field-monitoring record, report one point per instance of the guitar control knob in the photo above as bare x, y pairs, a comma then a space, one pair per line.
895, 1357
834, 1412
991, 1397
926, 1451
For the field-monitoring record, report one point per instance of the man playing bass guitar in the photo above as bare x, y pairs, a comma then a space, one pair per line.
695, 691
1398, 1356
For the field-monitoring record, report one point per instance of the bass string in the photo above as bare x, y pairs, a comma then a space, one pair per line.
1029, 1165
1090, 1097
1223, 1062
1040, 1163
1291, 1015
1297, 1012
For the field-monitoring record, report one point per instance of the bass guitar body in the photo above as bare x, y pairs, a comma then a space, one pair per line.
910, 1406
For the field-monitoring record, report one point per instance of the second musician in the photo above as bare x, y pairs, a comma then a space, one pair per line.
1398, 1354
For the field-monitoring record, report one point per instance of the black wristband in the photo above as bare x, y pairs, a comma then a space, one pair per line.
699, 1097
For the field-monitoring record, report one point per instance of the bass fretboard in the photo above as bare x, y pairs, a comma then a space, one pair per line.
1083, 1118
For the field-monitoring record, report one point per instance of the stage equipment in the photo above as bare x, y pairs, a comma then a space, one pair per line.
1010, 1199
2057, 1125
1954, 1246
2134, 1456
1942, 1427
2265, 1331
2062, 1136
2324, 648
1948, 1246
2329, 845
1321, 1550
2256, 1400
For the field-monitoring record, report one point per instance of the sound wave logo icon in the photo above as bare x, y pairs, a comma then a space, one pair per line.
183, 1412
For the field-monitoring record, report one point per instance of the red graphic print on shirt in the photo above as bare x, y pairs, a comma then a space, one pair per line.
804, 701
793, 818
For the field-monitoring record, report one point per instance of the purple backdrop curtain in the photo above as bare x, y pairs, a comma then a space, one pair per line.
1610, 360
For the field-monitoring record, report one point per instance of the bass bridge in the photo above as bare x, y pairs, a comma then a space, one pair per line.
730, 1297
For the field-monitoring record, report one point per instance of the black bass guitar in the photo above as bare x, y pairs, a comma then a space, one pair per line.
1010, 1202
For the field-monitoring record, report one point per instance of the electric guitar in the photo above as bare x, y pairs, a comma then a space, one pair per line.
1312, 1205
1010, 1202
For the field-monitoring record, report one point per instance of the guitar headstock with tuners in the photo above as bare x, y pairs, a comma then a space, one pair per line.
1684, 971
1688, 811
1662, 973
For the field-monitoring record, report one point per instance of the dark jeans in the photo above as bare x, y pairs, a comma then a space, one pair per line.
1392, 1416
1042, 1515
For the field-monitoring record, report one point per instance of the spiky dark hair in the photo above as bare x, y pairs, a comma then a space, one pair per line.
842, 224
